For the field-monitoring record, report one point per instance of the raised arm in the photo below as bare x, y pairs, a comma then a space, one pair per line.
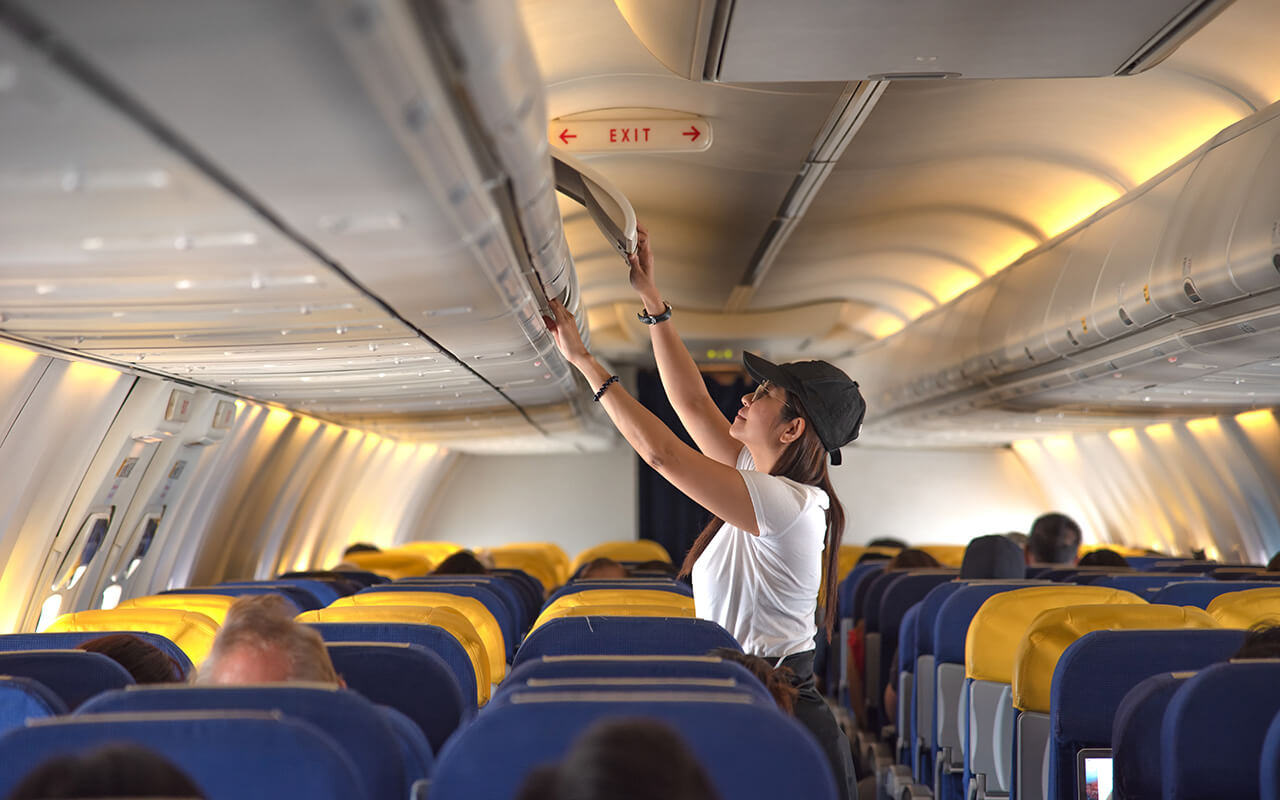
715, 486
680, 376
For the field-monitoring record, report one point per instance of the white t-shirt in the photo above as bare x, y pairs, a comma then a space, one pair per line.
764, 589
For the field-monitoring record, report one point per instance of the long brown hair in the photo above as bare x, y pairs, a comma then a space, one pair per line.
803, 461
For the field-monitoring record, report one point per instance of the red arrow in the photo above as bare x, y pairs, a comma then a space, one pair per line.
565, 136
693, 134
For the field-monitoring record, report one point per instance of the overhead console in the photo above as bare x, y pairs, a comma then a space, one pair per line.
1163, 302
748, 41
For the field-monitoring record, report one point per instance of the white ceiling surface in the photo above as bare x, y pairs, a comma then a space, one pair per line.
115, 246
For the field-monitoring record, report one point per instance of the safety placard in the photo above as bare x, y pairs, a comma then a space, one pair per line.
691, 134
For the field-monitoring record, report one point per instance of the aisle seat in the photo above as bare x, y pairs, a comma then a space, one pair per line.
1135, 736
995, 636
191, 631
1269, 775
213, 606
611, 596
622, 550
612, 635
531, 589
474, 610
649, 584
592, 687
1211, 740
22, 699
503, 614
1247, 608
565, 670
349, 719
302, 601
73, 675
519, 608
432, 638
1046, 639
229, 755
409, 678
749, 749
67, 640
846, 592
546, 561
879, 643
448, 619
322, 592
1202, 593
1095, 673
392, 565
613, 610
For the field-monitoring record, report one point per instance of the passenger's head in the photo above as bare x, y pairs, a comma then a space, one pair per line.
777, 681
143, 660
912, 558
261, 643
872, 555
1019, 538
1274, 564
1102, 557
991, 557
115, 770
361, 547
1054, 539
1261, 641
656, 565
603, 568
463, 562
623, 759
887, 541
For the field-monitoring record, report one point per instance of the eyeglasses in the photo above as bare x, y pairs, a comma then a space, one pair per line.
763, 391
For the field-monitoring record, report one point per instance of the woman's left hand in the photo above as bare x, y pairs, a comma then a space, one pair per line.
565, 329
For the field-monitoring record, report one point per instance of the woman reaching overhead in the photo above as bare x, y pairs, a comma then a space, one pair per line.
759, 566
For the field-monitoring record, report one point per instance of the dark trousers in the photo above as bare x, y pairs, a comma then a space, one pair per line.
812, 712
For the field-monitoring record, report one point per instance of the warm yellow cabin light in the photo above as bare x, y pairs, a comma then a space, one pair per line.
1060, 447
1181, 139
1076, 204
1203, 425
955, 284
84, 373
1124, 438
240, 404
1161, 431
277, 419
887, 326
14, 358
1256, 420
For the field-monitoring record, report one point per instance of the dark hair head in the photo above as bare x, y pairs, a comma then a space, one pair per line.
1054, 539
1261, 641
1274, 564
993, 557
912, 558
1103, 557
887, 541
776, 680
141, 659
361, 547
623, 759
656, 565
463, 562
116, 770
872, 555
602, 568
803, 461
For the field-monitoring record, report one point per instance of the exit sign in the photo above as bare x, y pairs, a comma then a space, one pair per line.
618, 136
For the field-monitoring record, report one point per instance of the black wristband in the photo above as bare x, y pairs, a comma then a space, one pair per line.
604, 387
654, 319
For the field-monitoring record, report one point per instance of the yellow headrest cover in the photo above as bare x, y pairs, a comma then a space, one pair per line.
1246, 608
634, 550
948, 555
433, 551
449, 619
189, 630
391, 564
611, 611
481, 617
622, 597
997, 629
1053, 631
213, 606
546, 562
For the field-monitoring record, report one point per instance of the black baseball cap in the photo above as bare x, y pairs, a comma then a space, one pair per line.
832, 402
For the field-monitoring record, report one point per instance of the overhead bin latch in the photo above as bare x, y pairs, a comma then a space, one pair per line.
608, 206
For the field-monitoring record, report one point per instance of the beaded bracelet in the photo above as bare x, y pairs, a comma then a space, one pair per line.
605, 386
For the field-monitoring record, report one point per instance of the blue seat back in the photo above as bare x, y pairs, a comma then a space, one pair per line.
629, 636
302, 601
529, 589
348, 719
1135, 736
1211, 742
856, 583
416, 753
73, 675
502, 588
749, 749
1269, 775
23, 698
1185, 566
1145, 584
1096, 672
359, 575
1144, 563
406, 677
429, 637
230, 756
1201, 593
502, 613
573, 587
72, 639
578, 671
323, 591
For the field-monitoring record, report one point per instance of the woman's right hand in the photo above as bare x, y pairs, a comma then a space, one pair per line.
642, 278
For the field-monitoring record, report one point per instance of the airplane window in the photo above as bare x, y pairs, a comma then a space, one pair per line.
150, 524
92, 532
111, 596
49, 612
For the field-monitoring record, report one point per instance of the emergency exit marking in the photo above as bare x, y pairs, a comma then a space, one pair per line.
614, 136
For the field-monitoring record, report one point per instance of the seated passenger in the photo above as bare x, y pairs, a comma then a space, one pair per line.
887, 541
1262, 641
261, 643
143, 660
623, 759
1054, 540
1019, 538
463, 562
602, 568
1102, 558
991, 557
115, 770
656, 565
361, 547
872, 555
911, 558
1274, 564
776, 680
